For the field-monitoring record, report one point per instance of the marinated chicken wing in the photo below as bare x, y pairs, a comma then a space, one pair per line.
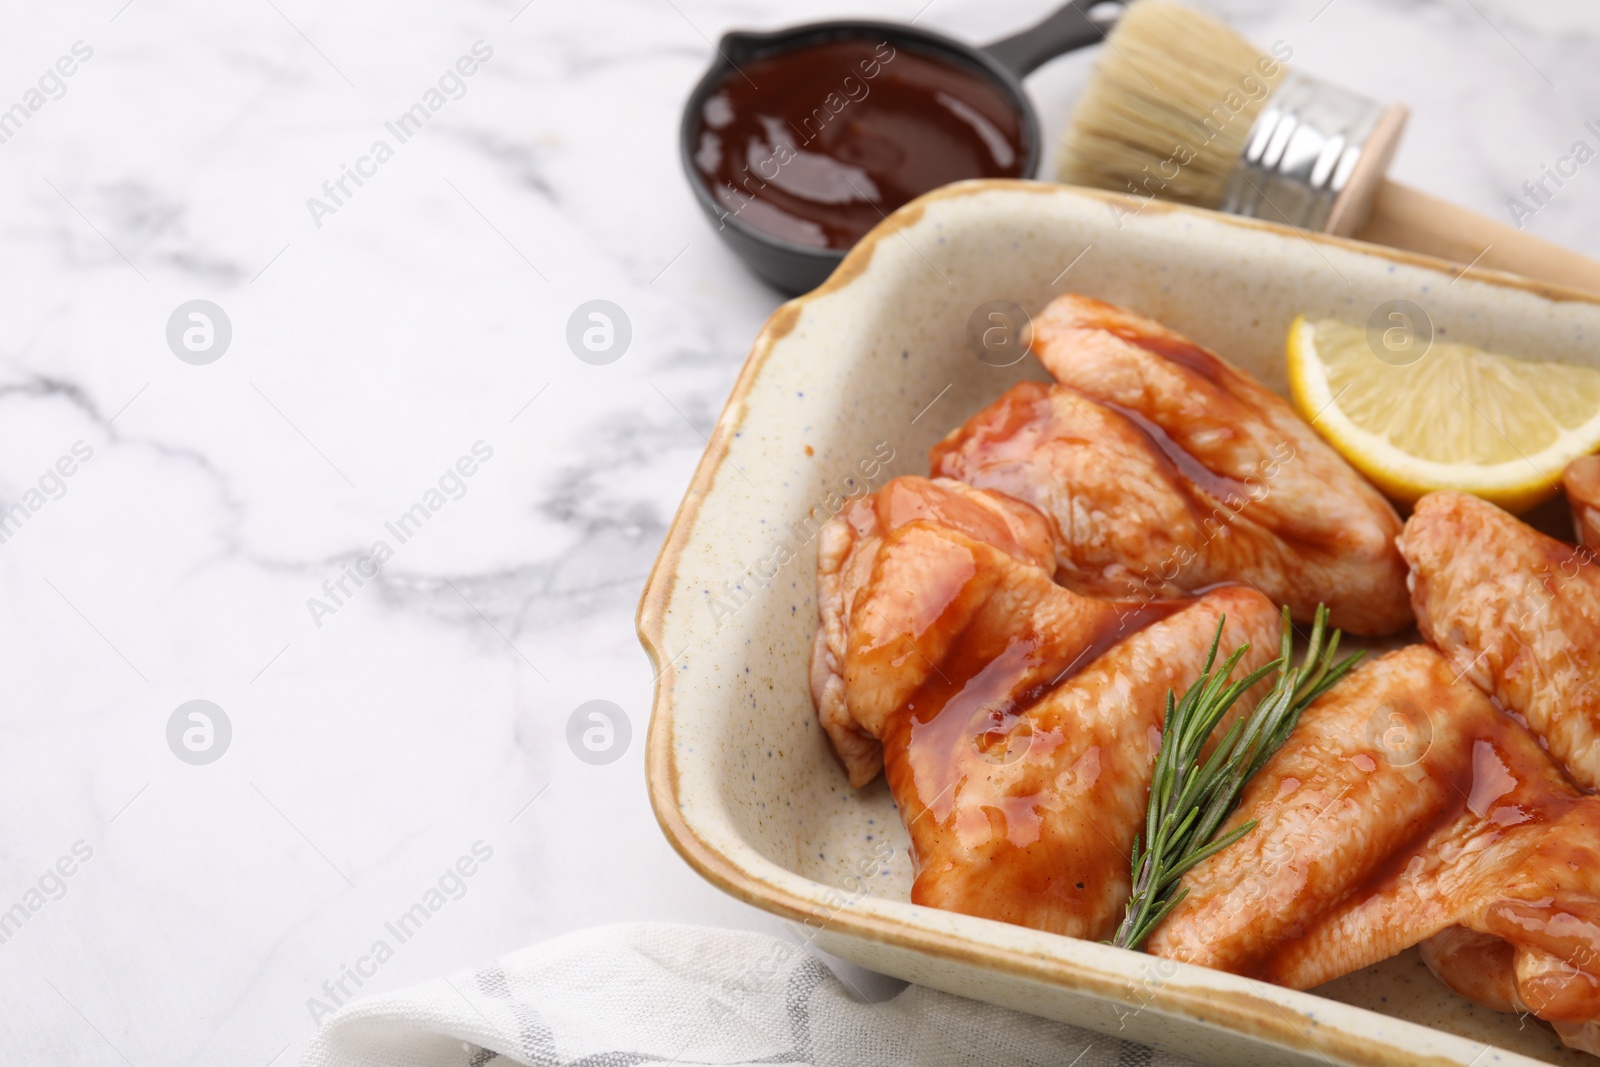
847, 554
1360, 777
1581, 480
1405, 807
1165, 469
1018, 720
1516, 612
1491, 971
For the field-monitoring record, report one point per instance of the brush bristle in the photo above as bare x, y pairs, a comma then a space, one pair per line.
1174, 91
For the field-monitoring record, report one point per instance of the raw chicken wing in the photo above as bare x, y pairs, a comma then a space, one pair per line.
1516, 612
1405, 807
1581, 480
1018, 721
1167, 470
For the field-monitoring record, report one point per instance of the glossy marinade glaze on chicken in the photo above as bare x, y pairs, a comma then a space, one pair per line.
1002, 641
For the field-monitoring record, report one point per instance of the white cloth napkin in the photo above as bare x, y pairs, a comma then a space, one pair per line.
618, 996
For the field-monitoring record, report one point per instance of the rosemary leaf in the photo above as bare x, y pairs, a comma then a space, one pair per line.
1189, 801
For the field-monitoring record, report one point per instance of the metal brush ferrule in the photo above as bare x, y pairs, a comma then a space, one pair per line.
1314, 157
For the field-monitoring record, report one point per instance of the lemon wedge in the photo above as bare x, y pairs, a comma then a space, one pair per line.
1416, 414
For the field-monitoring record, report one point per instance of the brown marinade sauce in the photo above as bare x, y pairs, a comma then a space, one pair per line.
816, 144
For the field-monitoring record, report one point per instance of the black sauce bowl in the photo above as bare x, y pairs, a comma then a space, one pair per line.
796, 268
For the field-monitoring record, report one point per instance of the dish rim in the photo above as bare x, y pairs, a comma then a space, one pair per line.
1242, 1012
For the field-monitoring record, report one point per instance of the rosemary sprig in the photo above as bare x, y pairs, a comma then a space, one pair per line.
1188, 801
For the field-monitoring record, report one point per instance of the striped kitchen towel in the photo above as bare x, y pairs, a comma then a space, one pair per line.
618, 996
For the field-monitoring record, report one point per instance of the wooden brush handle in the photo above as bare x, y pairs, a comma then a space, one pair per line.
1404, 218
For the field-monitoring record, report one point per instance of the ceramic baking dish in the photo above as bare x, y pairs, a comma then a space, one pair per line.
848, 386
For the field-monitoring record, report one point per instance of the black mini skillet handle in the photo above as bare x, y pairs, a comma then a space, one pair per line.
1066, 30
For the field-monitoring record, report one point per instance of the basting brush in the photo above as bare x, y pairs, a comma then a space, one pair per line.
1182, 108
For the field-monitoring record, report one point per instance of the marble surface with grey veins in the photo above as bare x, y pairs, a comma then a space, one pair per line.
373, 511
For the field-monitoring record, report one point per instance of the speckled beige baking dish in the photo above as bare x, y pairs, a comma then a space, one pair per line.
877, 360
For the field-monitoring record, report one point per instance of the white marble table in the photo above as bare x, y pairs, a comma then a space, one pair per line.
421, 714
